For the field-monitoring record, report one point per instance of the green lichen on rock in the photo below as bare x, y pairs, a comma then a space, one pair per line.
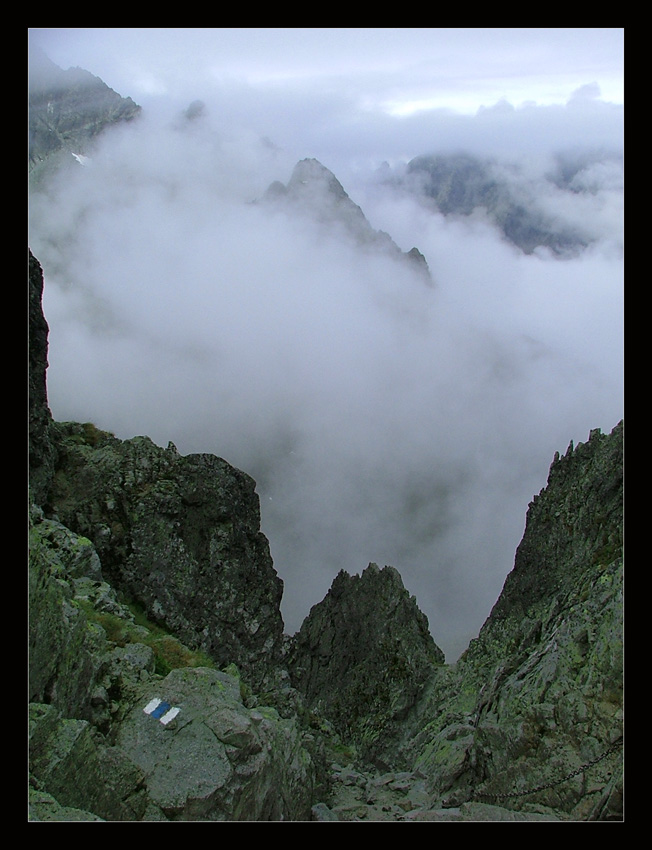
65, 654
538, 696
180, 536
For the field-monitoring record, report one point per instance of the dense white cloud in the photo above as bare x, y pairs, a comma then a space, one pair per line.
382, 419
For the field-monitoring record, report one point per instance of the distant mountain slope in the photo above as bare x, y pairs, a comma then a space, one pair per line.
315, 191
67, 111
462, 185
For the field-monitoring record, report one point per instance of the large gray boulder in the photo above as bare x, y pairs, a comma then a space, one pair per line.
205, 756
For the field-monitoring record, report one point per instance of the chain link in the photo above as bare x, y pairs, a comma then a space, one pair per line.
616, 744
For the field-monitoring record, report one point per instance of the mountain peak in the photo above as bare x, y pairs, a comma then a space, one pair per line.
314, 190
311, 173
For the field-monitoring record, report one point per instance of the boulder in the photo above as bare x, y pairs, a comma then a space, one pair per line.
205, 756
70, 762
65, 650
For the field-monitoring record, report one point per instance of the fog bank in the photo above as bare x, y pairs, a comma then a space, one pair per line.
382, 419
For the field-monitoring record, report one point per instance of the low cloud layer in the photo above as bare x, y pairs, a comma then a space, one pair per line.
383, 420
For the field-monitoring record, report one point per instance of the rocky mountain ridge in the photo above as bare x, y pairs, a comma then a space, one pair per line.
162, 686
315, 191
463, 185
68, 110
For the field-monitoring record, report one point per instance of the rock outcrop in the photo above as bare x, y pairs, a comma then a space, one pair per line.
362, 657
98, 746
215, 759
187, 749
42, 453
532, 714
180, 536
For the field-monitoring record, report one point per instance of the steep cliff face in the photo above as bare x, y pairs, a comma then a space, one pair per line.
179, 535
41, 447
532, 714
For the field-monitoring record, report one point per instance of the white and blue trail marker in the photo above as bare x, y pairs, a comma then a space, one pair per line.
161, 710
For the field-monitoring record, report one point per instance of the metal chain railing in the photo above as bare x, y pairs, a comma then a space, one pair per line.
486, 796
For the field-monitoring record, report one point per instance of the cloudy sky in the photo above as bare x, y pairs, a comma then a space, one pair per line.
383, 420
396, 69
334, 89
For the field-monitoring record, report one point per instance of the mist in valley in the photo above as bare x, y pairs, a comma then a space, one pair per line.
384, 418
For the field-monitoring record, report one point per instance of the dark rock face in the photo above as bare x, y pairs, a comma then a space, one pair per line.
573, 526
363, 655
42, 453
65, 655
180, 535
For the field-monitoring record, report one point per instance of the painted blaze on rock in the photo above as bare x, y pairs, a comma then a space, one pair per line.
161, 710
218, 760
